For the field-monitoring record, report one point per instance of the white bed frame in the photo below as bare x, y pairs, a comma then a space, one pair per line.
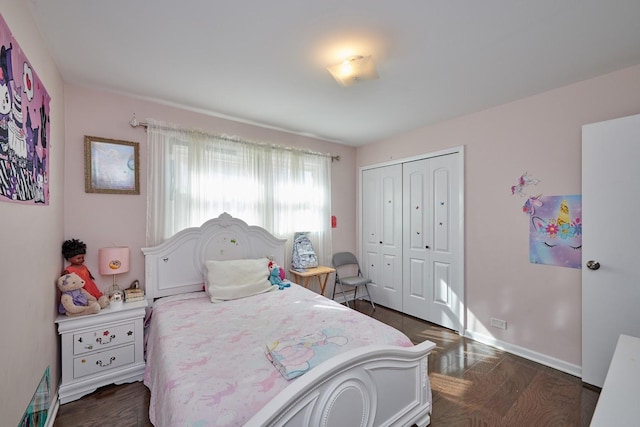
370, 386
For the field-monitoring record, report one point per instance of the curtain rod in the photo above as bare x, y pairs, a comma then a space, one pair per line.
135, 123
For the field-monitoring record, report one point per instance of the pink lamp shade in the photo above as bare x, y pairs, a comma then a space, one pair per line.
113, 260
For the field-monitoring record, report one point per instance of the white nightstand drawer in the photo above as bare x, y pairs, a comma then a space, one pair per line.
102, 361
107, 337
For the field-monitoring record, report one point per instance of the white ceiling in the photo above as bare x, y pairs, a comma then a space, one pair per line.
263, 62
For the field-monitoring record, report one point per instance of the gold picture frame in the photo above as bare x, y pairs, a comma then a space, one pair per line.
111, 166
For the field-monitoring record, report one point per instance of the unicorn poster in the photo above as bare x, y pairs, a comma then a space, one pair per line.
555, 233
24, 126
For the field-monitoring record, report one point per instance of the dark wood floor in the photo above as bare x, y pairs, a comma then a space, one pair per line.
473, 385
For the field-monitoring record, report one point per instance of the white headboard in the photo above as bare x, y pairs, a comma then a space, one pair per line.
178, 265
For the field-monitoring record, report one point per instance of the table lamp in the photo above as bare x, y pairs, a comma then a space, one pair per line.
113, 261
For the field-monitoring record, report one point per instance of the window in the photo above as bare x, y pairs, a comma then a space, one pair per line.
194, 177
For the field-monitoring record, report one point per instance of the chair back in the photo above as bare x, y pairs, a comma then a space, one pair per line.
349, 262
344, 258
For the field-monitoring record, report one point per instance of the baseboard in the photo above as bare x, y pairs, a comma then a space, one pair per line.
342, 300
526, 353
349, 296
52, 413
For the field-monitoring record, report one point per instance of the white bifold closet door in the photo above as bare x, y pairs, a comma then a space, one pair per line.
431, 287
411, 237
382, 234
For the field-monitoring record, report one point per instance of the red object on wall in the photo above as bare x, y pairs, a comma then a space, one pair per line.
334, 221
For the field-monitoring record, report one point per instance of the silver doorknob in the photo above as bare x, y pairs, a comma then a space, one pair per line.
593, 265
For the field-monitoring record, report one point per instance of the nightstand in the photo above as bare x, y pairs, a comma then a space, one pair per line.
100, 349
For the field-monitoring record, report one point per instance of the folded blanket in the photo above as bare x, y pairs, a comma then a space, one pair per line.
293, 356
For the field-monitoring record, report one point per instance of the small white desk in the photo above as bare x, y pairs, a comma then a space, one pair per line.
618, 402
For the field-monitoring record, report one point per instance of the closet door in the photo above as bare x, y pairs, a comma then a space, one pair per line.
381, 258
432, 289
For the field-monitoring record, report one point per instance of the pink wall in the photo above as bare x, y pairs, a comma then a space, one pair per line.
104, 219
30, 247
542, 135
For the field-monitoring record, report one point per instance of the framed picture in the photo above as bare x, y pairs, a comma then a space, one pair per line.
111, 166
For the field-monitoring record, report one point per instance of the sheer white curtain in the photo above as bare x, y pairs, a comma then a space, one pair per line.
194, 176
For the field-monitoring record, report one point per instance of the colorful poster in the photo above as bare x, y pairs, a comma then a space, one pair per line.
24, 126
555, 233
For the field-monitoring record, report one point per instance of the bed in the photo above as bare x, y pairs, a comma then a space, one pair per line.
207, 362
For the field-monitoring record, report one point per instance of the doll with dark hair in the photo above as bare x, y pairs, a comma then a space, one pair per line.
74, 251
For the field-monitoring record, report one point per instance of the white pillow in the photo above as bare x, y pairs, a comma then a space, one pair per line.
227, 280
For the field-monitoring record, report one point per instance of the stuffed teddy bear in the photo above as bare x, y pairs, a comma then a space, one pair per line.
75, 300
275, 276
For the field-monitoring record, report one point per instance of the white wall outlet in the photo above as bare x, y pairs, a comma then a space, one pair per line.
498, 323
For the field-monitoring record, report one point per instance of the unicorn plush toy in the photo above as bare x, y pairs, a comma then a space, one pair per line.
276, 276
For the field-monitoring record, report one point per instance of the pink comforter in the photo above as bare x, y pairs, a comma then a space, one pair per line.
206, 362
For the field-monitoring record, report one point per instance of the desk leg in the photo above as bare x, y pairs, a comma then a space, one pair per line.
302, 281
323, 285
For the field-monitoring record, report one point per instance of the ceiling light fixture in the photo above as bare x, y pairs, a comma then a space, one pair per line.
354, 69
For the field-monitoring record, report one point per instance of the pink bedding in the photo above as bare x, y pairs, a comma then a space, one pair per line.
206, 362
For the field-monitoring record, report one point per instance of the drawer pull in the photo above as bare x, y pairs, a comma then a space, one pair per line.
99, 362
100, 341
86, 347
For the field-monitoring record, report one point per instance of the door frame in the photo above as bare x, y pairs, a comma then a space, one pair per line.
460, 220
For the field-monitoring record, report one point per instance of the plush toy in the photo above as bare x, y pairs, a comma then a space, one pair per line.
275, 276
75, 300
282, 274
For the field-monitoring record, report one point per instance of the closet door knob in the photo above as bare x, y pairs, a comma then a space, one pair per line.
426, 247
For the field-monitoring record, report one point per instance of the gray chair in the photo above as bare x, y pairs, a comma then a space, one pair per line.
341, 261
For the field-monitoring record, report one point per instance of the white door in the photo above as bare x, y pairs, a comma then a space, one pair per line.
382, 234
432, 289
610, 207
